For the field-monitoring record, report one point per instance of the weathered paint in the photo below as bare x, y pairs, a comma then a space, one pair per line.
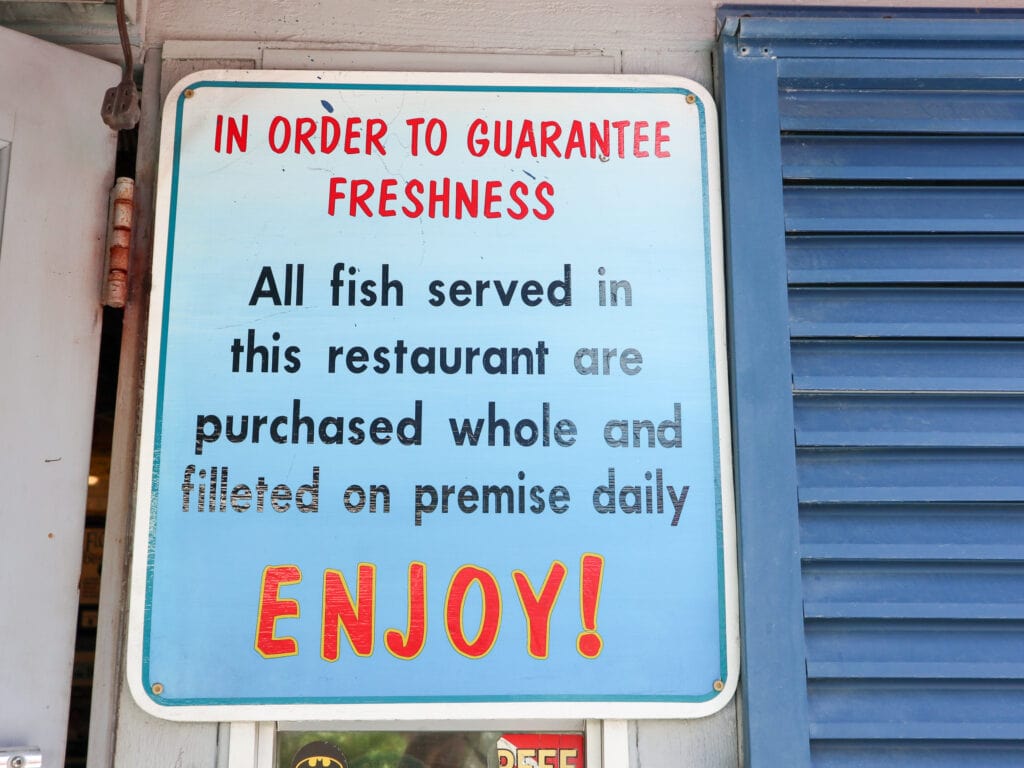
51, 265
118, 241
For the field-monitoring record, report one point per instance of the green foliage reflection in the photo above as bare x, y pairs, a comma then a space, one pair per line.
397, 750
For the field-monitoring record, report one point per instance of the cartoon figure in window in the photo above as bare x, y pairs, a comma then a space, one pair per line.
319, 754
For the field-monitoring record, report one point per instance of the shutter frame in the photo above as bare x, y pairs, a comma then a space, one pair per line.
773, 677
820, 684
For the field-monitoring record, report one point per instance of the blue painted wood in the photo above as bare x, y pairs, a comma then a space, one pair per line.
914, 649
902, 158
910, 669
910, 420
920, 474
960, 532
1000, 585
897, 611
773, 678
906, 111
901, 365
877, 209
951, 75
923, 34
971, 753
903, 175
898, 259
907, 312
912, 709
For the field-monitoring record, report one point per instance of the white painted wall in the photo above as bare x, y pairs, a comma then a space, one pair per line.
642, 35
646, 36
539, 25
51, 271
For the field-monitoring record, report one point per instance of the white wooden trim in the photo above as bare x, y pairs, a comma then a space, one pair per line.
108, 674
266, 734
592, 743
586, 62
282, 55
251, 745
614, 744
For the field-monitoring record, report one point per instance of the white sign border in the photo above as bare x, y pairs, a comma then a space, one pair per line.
440, 710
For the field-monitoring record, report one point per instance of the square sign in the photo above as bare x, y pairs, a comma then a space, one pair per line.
435, 416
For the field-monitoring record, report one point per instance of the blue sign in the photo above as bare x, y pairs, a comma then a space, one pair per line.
435, 407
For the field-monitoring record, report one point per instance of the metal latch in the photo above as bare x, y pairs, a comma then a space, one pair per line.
21, 757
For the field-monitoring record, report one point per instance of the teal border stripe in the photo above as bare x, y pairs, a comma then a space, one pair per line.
168, 270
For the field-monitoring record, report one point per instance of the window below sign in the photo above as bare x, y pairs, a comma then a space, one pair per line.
425, 749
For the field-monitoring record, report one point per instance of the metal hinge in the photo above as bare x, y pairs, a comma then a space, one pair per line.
119, 238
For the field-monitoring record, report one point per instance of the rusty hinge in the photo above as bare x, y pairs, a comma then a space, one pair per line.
119, 237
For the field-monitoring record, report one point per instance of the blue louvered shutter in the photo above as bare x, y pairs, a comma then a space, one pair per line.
874, 175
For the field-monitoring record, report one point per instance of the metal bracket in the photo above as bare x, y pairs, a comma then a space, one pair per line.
21, 757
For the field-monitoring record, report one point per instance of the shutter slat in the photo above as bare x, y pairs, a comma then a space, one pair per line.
942, 729
910, 475
906, 312
902, 158
924, 73
858, 420
916, 754
883, 552
921, 531
937, 649
905, 669
892, 209
924, 366
901, 111
900, 259
899, 611
913, 709
923, 582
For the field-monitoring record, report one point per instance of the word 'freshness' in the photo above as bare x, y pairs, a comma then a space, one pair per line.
354, 616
